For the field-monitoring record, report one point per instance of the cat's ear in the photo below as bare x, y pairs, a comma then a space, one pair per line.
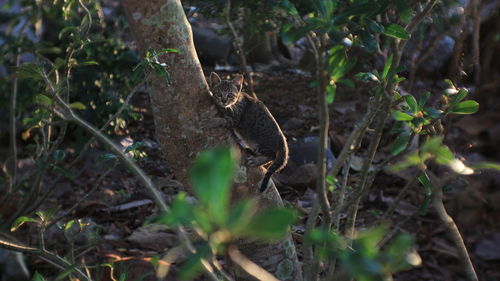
214, 79
238, 81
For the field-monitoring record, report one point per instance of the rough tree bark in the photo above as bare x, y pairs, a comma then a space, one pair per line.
178, 110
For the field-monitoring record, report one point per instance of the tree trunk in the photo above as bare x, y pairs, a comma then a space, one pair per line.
179, 108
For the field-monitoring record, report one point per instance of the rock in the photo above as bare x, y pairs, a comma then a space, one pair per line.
12, 266
153, 236
304, 175
293, 124
489, 247
305, 151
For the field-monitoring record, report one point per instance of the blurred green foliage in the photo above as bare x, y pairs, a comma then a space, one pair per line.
93, 64
218, 223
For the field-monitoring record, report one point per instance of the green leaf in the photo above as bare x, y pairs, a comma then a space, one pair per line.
368, 41
138, 72
326, 8
436, 148
29, 71
43, 99
20, 221
161, 72
362, 9
465, 107
38, 277
449, 83
398, 251
396, 31
387, 66
404, 10
67, 271
68, 29
181, 212
240, 216
412, 159
168, 50
396, 79
423, 99
330, 93
134, 146
367, 76
375, 27
270, 224
68, 225
58, 155
432, 112
423, 178
192, 267
412, 104
346, 82
289, 8
328, 244
106, 157
77, 105
48, 214
400, 116
211, 176
91, 62
400, 143
455, 99
486, 166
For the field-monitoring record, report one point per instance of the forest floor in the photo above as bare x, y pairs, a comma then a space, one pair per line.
118, 207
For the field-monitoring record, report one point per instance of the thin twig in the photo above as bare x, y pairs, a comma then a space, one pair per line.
12, 117
13, 142
338, 209
372, 149
476, 33
449, 224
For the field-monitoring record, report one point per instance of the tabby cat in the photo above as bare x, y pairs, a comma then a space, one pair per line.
252, 121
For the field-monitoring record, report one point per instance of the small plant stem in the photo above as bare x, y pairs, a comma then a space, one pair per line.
324, 123
454, 71
451, 227
49, 257
354, 137
12, 128
239, 47
372, 149
338, 209
12, 178
341, 194
307, 250
476, 33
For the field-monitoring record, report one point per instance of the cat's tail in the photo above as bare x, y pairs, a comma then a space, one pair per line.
278, 164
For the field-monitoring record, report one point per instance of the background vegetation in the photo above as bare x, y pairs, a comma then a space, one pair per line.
77, 143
